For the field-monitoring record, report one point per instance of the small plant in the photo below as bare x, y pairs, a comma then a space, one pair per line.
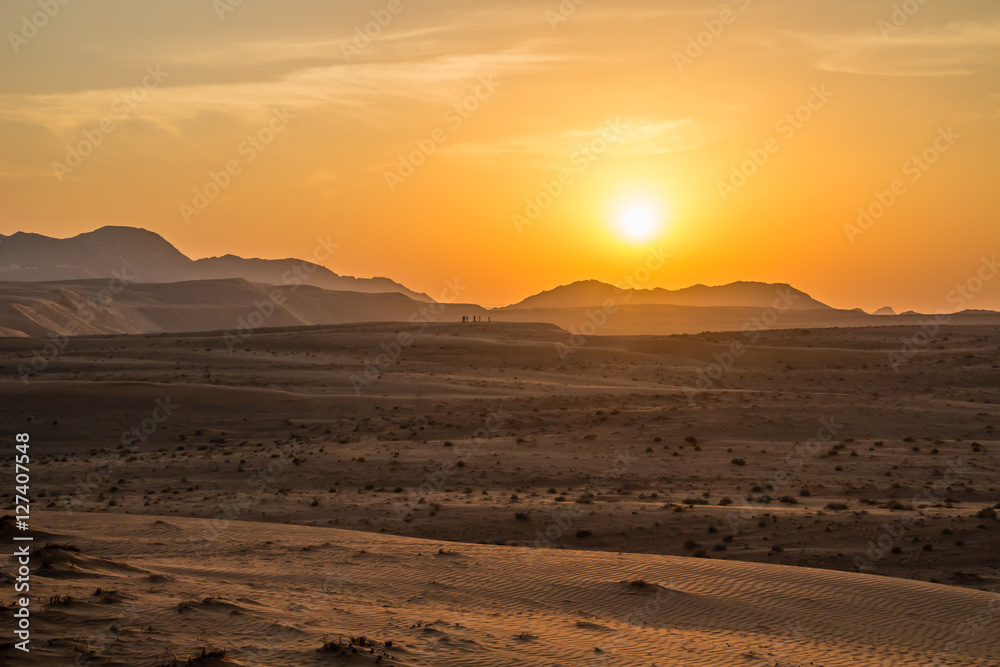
739, 462
207, 655
836, 507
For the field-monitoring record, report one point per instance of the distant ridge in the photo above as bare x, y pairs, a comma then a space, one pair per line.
37, 309
27, 257
589, 293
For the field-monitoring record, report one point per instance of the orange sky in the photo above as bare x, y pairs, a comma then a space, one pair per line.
618, 99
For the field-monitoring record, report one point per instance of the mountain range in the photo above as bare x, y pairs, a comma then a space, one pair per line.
61, 287
146, 257
588, 293
149, 258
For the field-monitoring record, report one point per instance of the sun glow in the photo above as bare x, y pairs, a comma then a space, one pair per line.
638, 220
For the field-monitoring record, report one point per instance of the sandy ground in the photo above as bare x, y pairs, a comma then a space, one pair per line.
803, 449
131, 592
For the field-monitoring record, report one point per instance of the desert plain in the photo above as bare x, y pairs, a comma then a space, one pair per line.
508, 493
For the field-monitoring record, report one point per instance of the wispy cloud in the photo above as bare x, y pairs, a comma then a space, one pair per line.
628, 137
955, 49
361, 87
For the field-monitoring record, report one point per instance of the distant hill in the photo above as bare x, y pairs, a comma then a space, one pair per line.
885, 310
589, 293
77, 308
26, 257
80, 307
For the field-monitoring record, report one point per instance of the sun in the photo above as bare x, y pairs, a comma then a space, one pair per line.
638, 220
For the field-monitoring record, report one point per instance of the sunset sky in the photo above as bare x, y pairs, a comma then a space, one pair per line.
643, 109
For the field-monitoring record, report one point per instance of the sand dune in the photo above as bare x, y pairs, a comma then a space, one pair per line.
271, 595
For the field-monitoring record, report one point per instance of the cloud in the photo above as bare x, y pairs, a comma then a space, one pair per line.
955, 49
628, 137
358, 87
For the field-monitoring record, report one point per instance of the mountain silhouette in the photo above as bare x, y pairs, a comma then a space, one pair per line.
146, 257
591, 293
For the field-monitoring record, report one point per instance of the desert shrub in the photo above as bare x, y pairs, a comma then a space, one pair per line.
206, 656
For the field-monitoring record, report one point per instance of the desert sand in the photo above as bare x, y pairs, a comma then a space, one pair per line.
132, 591
485, 494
